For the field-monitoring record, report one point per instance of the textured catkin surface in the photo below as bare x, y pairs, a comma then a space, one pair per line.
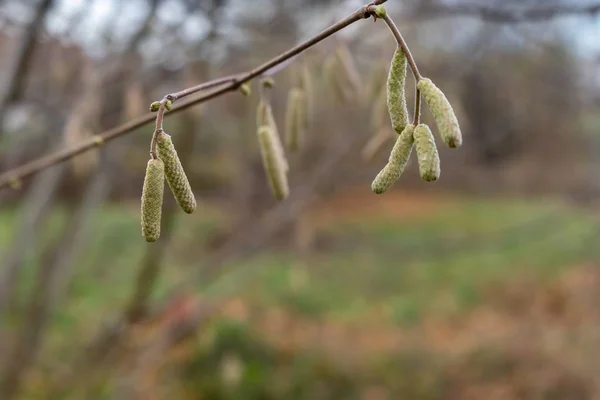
295, 119
152, 198
396, 162
275, 171
427, 154
265, 117
396, 91
174, 173
442, 113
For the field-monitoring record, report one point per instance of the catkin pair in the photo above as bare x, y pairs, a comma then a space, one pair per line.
271, 149
264, 117
442, 112
396, 162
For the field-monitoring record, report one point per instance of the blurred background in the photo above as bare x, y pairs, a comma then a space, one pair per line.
481, 285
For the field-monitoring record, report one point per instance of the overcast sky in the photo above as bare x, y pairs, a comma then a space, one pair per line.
584, 31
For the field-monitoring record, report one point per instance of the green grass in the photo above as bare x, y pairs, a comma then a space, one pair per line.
411, 268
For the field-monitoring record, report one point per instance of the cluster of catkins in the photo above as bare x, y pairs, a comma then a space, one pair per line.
341, 72
166, 166
272, 150
419, 136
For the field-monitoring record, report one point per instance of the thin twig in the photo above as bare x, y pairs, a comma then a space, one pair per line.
160, 116
402, 43
203, 86
417, 116
19, 173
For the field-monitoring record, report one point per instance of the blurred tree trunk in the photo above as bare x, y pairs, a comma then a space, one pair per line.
53, 274
34, 212
20, 64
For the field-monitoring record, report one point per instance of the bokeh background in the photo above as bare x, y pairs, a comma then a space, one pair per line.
481, 285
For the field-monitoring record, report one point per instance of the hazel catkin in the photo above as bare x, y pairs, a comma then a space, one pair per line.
396, 92
265, 117
396, 162
333, 78
348, 71
275, 171
427, 154
174, 173
306, 84
152, 198
295, 119
442, 112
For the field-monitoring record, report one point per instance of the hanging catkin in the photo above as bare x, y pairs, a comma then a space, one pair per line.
396, 162
396, 92
152, 198
174, 173
306, 84
427, 154
275, 171
295, 116
265, 117
442, 113
332, 75
348, 70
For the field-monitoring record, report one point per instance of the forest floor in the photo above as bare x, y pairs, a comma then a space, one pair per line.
473, 297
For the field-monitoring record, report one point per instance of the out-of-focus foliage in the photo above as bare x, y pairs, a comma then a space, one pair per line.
482, 285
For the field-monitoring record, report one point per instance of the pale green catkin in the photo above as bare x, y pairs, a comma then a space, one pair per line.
306, 83
427, 154
265, 117
174, 173
274, 170
349, 74
295, 117
332, 74
442, 113
152, 198
396, 162
396, 92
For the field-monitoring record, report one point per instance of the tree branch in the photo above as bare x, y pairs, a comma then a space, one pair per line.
228, 84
